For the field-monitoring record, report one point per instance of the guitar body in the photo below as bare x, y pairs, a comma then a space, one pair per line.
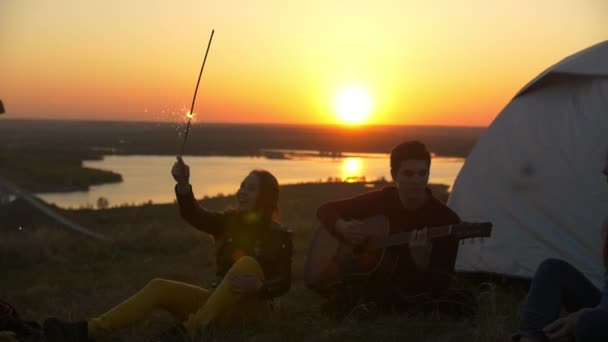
331, 260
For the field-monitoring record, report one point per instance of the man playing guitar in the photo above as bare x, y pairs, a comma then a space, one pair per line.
421, 276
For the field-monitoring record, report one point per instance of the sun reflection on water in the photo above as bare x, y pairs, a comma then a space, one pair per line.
352, 170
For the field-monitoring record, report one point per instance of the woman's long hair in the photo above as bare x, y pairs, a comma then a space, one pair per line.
267, 202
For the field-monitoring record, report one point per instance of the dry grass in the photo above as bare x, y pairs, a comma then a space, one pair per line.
48, 271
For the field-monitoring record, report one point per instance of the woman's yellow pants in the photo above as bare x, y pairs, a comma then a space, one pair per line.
195, 307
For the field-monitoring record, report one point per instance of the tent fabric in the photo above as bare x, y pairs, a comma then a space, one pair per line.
589, 62
536, 174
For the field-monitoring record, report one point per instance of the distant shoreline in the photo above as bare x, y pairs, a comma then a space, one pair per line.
47, 155
151, 138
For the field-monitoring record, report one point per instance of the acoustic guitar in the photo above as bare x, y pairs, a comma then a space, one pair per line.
331, 260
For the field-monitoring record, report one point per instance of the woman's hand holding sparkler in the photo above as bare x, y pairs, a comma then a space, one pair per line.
181, 173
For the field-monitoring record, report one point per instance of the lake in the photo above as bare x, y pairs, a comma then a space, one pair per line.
148, 178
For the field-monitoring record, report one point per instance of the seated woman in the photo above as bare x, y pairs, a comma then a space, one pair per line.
556, 284
253, 258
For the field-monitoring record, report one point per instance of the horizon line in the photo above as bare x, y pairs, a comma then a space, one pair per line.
218, 123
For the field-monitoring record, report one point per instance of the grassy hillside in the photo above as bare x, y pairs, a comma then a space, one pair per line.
47, 270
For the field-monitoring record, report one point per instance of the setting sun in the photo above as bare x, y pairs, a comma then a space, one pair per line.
353, 105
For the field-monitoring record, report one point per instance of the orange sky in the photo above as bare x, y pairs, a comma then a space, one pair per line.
424, 62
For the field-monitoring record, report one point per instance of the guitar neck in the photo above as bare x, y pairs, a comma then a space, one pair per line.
404, 238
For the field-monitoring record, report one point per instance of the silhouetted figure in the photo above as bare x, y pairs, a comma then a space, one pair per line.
253, 263
420, 281
558, 284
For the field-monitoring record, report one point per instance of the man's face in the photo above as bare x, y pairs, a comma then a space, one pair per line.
412, 177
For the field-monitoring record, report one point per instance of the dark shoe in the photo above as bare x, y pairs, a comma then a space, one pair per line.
56, 330
176, 333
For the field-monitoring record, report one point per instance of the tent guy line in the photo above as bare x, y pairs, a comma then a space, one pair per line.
48, 211
32, 200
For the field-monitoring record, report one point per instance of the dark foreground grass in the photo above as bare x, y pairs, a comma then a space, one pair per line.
48, 271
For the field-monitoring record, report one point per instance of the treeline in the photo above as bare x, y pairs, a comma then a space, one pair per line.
47, 156
47, 170
228, 139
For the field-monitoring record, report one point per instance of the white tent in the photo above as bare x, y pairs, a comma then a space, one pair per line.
536, 173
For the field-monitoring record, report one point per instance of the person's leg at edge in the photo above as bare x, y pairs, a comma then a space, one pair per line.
556, 284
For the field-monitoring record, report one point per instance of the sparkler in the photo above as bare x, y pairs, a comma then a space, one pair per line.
191, 112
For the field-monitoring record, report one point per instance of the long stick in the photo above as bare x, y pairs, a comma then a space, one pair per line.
195, 92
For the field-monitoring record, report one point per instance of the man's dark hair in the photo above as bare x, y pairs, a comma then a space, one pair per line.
409, 150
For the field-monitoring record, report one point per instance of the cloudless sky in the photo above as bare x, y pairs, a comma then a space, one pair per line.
281, 61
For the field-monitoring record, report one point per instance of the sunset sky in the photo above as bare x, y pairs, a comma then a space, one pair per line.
276, 61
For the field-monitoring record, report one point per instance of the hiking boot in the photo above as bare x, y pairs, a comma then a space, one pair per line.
56, 330
176, 333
